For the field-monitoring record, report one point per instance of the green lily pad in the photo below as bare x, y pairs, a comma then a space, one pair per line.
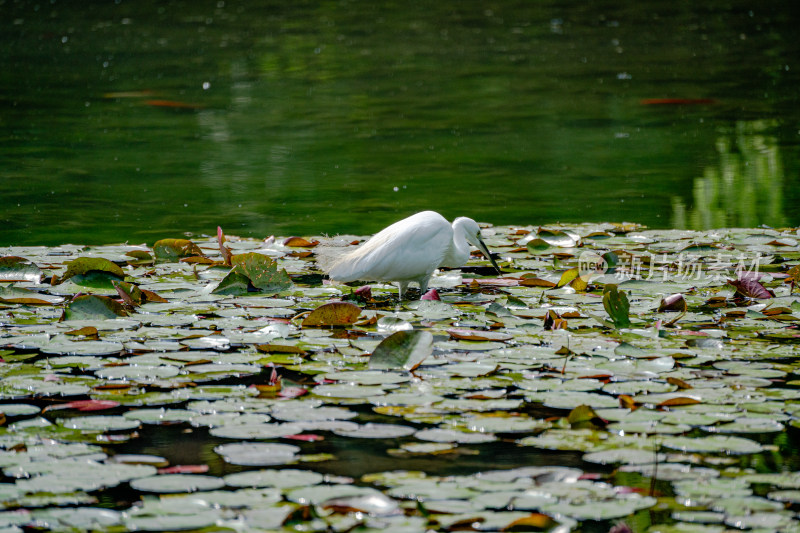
174, 249
403, 349
177, 483
91, 307
257, 454
92, 272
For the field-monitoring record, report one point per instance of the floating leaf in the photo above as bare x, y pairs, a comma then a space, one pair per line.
680, 400
92, 271
584, 417
13, 268
536, 282
171, 250
333, 314
559, 238
85, 405
87, 331
478, 335
568, 277
403, 349
253, 272
92, 307
616, 305
299, 242
537, 245
18, 295
553, 320
748, 287
532, 522
227, 255
257, 453
133, 295
177, 483
375, 504
280, 348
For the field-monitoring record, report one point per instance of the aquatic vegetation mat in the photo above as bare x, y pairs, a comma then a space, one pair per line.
611, 373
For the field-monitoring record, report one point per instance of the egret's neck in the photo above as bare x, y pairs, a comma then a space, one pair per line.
458, 253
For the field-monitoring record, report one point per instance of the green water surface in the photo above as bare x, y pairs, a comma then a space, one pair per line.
134, 121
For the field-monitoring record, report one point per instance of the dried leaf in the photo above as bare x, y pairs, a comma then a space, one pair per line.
279, 348
224, 250
627, 402
553, 320
299, 242
532, 522
678, 383
87, 331
536, 282
681, 400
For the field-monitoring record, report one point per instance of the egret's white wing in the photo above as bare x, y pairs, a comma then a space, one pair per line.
407, 250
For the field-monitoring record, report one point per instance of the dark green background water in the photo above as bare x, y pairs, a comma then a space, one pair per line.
342, 116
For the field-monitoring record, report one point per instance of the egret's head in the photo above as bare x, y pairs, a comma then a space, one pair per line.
472, 232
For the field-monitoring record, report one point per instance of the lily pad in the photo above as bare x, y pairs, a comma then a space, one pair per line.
14, 268
177, 483
333, 314
403, 349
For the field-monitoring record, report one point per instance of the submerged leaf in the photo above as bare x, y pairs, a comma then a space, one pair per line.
403, 349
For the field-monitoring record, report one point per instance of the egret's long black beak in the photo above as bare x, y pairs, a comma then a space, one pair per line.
485, 251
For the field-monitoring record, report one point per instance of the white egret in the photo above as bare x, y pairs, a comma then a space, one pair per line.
410, 250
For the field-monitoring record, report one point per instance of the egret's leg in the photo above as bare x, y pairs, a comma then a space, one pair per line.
423, 286
403, 286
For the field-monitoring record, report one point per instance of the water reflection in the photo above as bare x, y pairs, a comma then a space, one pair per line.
744, 189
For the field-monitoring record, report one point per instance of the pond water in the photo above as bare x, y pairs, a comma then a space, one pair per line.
134, 121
